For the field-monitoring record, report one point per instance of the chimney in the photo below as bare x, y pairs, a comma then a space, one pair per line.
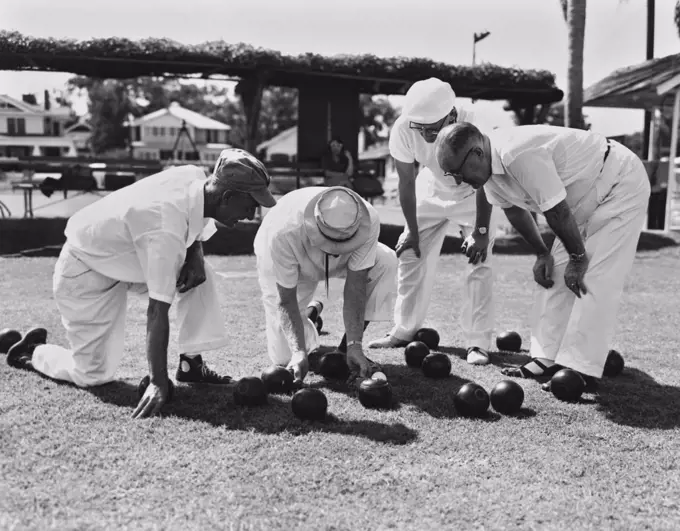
29, 98
48, 105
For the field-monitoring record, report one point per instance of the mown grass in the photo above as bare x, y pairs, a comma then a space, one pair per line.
74, 459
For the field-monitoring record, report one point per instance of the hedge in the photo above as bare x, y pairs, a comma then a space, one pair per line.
124, 58
45, 236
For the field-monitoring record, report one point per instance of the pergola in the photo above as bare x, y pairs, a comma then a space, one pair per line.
328, 87
653, 85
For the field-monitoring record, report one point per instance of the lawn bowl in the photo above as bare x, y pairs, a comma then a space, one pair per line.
507, 397
471, 400
333, 366
429, 336
567, 385
309, 404
277, 380
415, 352
509, 341
436, 365
375, 394
250, 391
614, 364
144, 383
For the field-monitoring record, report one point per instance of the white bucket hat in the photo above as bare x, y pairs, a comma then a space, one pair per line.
337, 221
428, 101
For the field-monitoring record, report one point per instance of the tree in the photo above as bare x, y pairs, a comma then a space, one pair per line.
378, 115
574, 12
677, 16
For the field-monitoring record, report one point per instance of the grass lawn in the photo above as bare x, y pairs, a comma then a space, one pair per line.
74, 459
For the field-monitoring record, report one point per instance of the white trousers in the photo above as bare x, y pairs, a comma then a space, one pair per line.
380, 302
576, 332
438, 206
93, 309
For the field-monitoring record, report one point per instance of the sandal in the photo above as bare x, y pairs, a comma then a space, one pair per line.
523, 372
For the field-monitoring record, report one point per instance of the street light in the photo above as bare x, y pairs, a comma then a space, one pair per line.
478, 37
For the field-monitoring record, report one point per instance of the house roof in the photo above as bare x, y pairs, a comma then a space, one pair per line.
83, 122
191, 118
636, 86
35, 109
375, 151
283, 135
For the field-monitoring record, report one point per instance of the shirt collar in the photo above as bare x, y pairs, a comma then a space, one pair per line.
197, 221
497, 167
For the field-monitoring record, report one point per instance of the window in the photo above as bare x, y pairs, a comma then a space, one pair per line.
136, 133
166, 154
154, 131
16, 126
56, 129
172, 131
161, 131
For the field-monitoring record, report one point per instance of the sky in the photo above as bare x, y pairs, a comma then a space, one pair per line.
529, 34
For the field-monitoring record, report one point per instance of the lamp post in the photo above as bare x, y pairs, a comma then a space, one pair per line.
478, 37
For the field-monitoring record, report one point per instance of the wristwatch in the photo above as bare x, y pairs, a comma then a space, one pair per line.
577, 257
481, 230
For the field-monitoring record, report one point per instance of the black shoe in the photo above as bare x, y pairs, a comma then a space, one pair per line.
193, 370
20, 356
37, 336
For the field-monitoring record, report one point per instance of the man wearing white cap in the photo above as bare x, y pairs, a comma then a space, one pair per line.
430, 202
311, 235
146, 238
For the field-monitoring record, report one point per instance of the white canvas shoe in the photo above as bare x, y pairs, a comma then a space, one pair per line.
389, 341
477, 356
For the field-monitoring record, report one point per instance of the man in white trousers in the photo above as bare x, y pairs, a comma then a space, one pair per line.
311, 235
593, 193
430, 202
146, 238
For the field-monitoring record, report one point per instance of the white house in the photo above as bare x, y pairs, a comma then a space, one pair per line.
281, 147
81, 132
154, 135
28, 129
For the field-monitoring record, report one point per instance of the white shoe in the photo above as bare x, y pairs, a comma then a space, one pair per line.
477, 356
389, 341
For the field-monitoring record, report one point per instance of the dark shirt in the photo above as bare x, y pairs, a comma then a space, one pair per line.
328, 163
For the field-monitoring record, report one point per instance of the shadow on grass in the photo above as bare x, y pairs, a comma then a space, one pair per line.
635, 399
215, 405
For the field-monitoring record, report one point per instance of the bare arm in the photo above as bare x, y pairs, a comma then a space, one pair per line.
350, 165
291, 322
525, 224
354, 308
407, 193
562, 222
484, 210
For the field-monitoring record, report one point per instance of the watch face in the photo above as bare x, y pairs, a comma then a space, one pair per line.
482, 230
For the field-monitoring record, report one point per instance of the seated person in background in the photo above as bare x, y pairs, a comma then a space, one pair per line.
337, 165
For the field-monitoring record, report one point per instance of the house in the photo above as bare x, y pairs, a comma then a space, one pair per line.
168, 134
81, 132
30, 129
280, 148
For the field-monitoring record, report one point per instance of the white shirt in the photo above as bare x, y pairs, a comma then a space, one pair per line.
141, 233
282, 243
535, 167
407, 145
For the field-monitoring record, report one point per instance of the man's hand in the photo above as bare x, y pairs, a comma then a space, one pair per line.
410, 241
152, 401
192, 273
475, 247
359, 365
573, 275
299, 365
543, 270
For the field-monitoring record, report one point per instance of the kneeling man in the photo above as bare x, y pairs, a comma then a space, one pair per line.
146, 238
593, 193
311, 235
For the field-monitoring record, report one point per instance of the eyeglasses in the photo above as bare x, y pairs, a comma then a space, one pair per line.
457, 174
437, 126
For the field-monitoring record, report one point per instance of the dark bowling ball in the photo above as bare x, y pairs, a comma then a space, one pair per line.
415, 353
250, 391
429, 336
375, 394
319, 324
8, 337
507, 397
314, 359
144, 383
436, 365
614, 364
309, 404
333, 366
567, 385
471, 400
277, 380
509, 341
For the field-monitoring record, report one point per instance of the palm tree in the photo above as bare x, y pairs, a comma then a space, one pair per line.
574, 12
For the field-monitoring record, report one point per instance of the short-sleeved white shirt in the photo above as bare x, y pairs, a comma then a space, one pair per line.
283, 248
535, 167
408, 146
141, 233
